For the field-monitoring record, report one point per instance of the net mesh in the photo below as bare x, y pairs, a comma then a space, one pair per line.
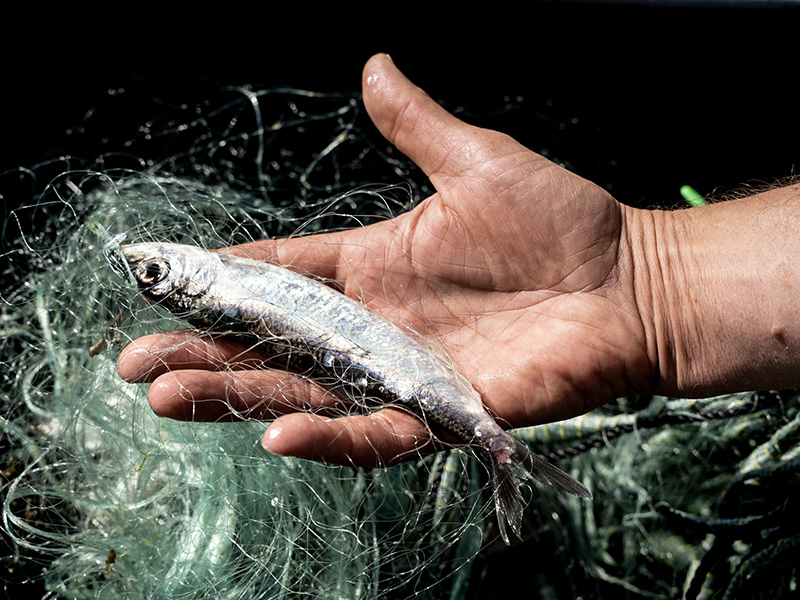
102, 499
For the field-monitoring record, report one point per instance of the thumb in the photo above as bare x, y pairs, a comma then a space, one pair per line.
434, 139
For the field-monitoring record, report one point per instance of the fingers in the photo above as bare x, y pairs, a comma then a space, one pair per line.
318, 255
149, 357
191, 382
434, 139
381, 438
197, 395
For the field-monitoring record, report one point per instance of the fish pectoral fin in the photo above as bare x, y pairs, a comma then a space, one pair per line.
520, 465
541, 470
526, 464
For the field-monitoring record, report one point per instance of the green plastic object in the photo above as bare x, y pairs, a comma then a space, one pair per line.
692, 196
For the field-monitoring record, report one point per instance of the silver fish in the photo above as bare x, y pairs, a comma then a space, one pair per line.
340, 343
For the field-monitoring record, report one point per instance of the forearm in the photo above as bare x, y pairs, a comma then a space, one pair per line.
718, 288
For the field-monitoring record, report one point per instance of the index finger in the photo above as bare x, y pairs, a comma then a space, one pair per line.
319, 255
150, 356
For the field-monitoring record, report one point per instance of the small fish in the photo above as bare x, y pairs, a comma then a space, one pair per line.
339, 342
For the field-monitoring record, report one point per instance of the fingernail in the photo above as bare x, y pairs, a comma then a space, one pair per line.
272, 433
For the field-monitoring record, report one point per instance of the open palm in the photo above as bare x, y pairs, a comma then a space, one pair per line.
517, 269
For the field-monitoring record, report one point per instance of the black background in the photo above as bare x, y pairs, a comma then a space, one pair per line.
657, 95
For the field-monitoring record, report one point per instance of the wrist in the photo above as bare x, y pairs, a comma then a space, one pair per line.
717, 291
654, 241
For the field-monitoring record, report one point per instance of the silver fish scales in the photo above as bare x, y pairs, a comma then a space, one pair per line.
340, 343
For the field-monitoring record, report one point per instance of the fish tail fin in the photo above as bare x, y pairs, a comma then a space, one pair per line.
510, 469
508, 501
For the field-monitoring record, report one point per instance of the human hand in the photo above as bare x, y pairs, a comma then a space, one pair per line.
519, 270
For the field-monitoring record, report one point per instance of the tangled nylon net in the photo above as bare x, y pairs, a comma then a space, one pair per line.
101, 499
125, 504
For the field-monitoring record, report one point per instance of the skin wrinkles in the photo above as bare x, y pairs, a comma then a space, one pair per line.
437, 215
648, 277
445, 224
420, 228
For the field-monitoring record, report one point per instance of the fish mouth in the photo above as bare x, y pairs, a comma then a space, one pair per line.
134, 254
119, 262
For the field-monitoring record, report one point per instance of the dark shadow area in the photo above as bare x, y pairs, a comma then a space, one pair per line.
644, 97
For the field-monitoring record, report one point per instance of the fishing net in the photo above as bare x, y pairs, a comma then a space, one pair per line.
102, 499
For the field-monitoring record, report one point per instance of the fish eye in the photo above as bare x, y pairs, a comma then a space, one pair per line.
153, 272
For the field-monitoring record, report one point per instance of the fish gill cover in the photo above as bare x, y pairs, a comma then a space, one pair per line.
102, 499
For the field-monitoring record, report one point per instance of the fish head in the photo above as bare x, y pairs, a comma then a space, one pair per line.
168, 274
